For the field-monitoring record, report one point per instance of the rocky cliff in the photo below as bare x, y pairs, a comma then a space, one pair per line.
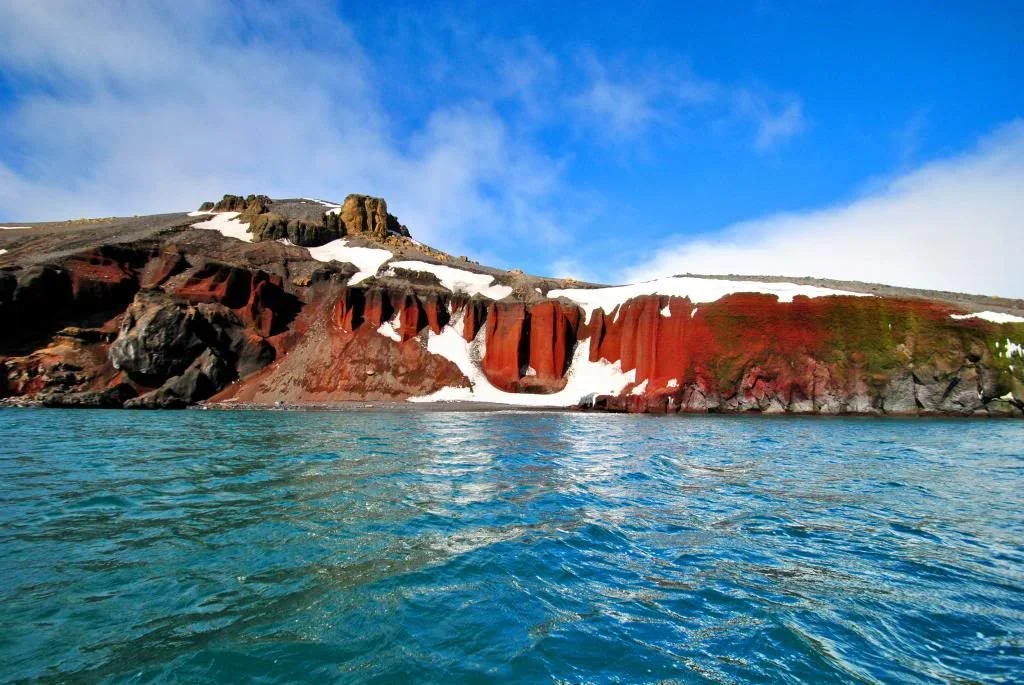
254, 301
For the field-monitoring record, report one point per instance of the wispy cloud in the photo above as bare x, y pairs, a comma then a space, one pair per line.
629, 101
953, 224
127, 108
619, 109
776, 118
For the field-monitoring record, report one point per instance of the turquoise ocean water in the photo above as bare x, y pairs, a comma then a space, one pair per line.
409, 546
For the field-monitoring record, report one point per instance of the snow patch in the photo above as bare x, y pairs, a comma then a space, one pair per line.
13, 228
584, 380
2, 252
699, 290
666, 312
694, 312
368, 260
640, 389
202, 212
672, 383
459, 280
333, 208
389, 329
228, 225
994, 317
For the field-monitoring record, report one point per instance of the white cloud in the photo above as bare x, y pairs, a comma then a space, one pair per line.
623, 101
777, 118
619, 108
953, 224
126, 108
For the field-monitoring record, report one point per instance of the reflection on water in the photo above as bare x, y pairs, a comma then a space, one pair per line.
444, 547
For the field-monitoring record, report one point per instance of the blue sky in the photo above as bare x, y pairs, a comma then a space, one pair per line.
878, 141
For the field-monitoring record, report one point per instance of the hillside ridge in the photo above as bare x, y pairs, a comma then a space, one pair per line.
259, 301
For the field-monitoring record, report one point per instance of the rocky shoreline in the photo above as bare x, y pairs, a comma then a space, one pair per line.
221, 308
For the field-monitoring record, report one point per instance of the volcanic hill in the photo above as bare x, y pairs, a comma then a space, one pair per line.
253, 301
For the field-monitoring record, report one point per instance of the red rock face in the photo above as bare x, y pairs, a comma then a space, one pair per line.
744, 352
553, 329
257, 296
503, 362
96, 277
528, 348
68, 316
750, 352
337, 354
474, 317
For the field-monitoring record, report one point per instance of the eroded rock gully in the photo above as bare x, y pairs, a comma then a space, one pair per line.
182, 316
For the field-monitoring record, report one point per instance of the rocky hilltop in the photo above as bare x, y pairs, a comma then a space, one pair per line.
260, 301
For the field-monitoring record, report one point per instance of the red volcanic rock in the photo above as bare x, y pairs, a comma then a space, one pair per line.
552, 339
377, 308
329, 362
285, 329
96, 277
410, 316
214, 282
435, 310
474, 317
356, 308
507, 347
161, 268
347, 312
749, 352
257, 296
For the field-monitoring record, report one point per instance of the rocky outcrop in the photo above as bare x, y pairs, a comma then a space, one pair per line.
362, 214
250, 205
273, 226
208, 373
148, 328
749, 352
187, 351
181, 316
359, 215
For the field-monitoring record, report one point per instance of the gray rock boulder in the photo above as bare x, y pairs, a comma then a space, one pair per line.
158, 338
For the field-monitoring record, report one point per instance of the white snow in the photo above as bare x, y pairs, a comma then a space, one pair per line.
332, 207
666, 312
694, 312
201, 212
672, 383
389, 329
458, 280
640, 389
530, 371
699, 290
13, 228
368, 260
585, 379
2, 252
228, 225
994, 317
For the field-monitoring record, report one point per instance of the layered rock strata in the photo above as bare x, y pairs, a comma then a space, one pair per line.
173, 316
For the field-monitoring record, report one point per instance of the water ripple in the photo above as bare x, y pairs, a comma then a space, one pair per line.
399, 545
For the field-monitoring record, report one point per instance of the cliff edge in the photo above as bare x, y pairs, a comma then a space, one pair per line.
260, 301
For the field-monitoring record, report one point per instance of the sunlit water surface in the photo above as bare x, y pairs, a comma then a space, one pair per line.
393, 546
